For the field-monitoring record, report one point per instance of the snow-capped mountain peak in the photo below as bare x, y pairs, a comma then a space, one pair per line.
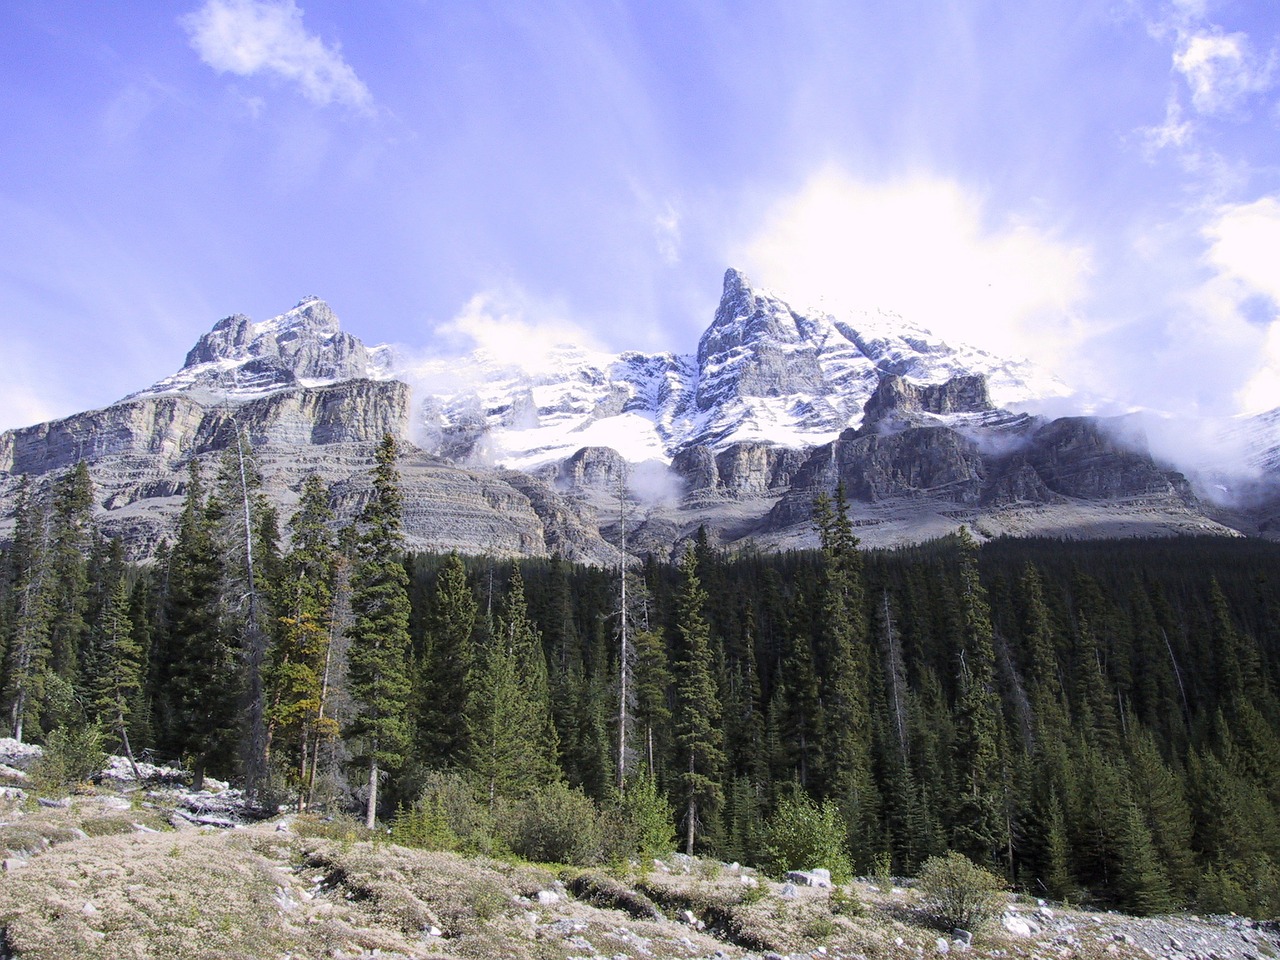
763, 372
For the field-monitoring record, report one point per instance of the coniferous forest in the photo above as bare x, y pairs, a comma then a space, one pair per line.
1093, 720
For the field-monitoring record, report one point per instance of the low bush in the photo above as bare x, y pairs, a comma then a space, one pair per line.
956, 892
638, 824
71, 755
554, 824
802, 835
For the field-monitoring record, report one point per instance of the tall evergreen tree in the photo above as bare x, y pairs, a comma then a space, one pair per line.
245, 534
198, 673
71, 536
980, 830
699, 738
378, 657
295, 678
847, 689
445, 674
27, 656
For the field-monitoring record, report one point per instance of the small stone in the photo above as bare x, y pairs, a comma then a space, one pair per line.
1175, 943
434, 931
546, 897
962, 936
88, 909
9, 864
788, 890
1044, 913
943, 945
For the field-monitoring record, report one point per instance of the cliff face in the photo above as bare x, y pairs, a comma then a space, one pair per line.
776, 406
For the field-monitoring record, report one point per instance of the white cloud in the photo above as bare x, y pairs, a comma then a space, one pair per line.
1219, 69
924, 248
516, 330
1242, 250
1245, 241
666, 231
1174, 132
246, 37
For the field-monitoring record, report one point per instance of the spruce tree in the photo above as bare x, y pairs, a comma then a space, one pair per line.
27, 656
120, 667
71, 536
378, 656
699, 739
445, 673
846, 734
295, 676
980, 829
513, 741
199, 666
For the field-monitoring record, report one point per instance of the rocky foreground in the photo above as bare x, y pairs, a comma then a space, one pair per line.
153, 870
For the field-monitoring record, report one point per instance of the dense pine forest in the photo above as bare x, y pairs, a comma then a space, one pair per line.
1094, 721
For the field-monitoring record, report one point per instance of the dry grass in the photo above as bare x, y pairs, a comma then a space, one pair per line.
331, 893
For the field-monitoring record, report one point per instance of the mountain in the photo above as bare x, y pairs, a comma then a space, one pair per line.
762, 373
774, 406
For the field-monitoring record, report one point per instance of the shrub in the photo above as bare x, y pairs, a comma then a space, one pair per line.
71, 755
802, 835
958, 893
638, 824
423, 826
554, 824
453, 800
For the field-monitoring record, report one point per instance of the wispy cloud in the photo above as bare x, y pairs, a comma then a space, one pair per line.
1217, 74
247, 37
515, 329
923, 247
1219, 69
1243, 240
666, 231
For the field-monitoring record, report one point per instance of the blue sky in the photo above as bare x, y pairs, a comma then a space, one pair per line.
1093, 184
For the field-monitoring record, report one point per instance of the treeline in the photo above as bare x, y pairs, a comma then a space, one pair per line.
1094, 720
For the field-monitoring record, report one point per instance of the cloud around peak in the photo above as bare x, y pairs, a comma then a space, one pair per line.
248, 37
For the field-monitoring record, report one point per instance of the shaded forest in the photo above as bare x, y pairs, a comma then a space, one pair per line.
1095, 721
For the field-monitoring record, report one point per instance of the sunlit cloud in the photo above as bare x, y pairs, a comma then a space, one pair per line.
246, 37
514, 329
924, 248
1244, 295
1219, 69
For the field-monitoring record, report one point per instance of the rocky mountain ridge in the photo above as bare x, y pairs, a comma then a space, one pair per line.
775, 406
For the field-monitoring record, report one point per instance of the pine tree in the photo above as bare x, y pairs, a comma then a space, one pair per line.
652, 677
27, 657
198, 674
295, 677
445, 673
980, 830
120, 669
846, 734
245, 533
71, 535
378, 657
699, 738
514, 744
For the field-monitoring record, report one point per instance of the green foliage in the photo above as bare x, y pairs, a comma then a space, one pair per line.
553, 824
71, 755
378, 658
803, 834
699, 738
638, 823
424, 825
463, 812
956, 892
